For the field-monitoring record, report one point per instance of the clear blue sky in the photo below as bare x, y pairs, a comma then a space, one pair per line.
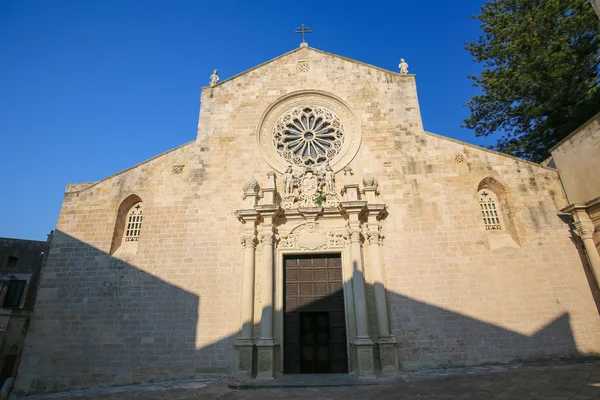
89, 87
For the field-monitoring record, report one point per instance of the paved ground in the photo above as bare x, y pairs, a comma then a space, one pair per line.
554, 381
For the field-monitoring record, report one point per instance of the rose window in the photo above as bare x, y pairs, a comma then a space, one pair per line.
308, 136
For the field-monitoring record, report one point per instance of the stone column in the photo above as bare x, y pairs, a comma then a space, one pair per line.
386, 341
362, 342
585, 230
266, 345
244, 345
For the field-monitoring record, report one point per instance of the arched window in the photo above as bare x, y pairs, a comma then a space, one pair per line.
490, 210
134, 223
497, 214
128, 224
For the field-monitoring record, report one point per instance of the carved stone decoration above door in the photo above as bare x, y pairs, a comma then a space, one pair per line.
310, 236
313, 187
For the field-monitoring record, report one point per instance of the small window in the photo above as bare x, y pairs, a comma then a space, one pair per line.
134, 223
489, 210
12, 262
14, 294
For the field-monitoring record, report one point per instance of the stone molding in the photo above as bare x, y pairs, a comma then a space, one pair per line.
312, 237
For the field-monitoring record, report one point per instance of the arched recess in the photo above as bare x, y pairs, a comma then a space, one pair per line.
504, 233
121, 221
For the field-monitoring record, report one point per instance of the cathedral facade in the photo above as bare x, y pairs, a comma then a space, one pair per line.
313, 226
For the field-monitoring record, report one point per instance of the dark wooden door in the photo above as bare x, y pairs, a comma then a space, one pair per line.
314, 333
315, 353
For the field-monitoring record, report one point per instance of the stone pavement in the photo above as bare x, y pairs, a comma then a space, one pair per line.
551, 381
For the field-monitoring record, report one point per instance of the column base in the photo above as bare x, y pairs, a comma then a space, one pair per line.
243, 358
365, 361
388, 355
265, 349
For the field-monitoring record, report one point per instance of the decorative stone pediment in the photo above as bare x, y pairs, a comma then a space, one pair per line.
310, 236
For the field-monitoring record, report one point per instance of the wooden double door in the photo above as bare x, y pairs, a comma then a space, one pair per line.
314, 333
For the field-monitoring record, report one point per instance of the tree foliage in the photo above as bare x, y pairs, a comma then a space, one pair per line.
541, 73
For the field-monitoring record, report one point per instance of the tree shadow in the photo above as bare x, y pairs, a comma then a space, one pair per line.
101, 321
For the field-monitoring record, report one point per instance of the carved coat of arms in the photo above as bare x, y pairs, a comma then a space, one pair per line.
312, 187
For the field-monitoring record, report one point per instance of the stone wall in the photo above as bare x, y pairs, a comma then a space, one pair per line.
577, 157
14, 321
170, 309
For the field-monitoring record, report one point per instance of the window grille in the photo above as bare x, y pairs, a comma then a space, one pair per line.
489, 211
14, 293
134, 223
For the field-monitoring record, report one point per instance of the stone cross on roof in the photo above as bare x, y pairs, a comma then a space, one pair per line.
303, 29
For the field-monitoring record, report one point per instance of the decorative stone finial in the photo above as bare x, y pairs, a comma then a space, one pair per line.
370, 182
403, 66
251, 186
214, 78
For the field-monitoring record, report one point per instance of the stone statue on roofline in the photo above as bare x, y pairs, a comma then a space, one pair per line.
214, 78
403, 66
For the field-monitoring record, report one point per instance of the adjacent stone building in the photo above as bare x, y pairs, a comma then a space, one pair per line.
312, 226
577, 158
21, 263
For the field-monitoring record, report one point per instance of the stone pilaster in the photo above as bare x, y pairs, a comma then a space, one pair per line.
244, 344
362, 342
386, 341
266, 344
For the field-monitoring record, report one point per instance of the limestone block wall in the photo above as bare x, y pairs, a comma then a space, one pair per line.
454, 298
170, 309
577, 158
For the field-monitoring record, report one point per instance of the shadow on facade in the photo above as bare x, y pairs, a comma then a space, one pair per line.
587, 268
110, 323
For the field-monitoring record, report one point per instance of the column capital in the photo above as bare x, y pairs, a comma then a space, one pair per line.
354, 234
248, 241
585, 229
374, 237
267, 238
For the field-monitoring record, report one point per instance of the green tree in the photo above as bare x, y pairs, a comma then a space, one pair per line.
540, 77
